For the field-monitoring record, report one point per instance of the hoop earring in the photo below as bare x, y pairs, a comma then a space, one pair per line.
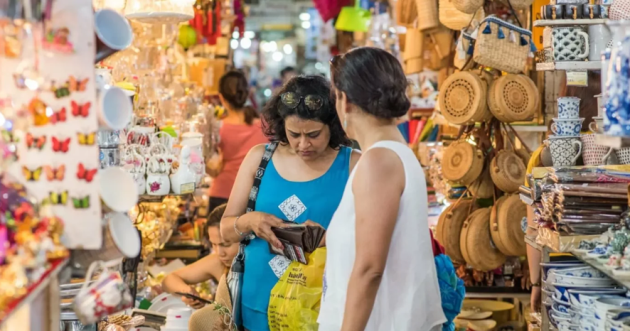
345, 123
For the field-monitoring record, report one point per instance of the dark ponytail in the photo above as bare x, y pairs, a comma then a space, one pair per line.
235, 90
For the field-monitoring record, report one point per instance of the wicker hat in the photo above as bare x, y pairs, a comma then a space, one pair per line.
462, 163
210, 318
462, 98
449, 228
476, 244
505, 225
507, 171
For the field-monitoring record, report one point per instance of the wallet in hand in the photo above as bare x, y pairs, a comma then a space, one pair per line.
297, 240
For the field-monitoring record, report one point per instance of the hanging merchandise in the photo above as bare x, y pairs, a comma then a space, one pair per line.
353, 19
467, 6
405, 12
462, 162
413, 55
483, 187
450, 226
476, 243
428, 16
513, 98
455, 19
463, 51
507, 171
507, 223
503, 46
462, 98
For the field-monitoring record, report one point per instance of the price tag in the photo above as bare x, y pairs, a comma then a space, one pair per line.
187, 188
577, 78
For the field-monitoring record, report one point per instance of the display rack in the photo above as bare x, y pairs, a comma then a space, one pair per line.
569, 65
584, 21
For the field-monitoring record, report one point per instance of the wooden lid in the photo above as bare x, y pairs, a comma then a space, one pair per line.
517, 96
508, 171
449, 229
461, 161
461, 96
477, 244
510, 218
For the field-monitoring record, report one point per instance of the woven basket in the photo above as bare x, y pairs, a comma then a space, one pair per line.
449, 229
524, 155
405, 12
502, 46
414, 43
462, 163
516, 98
452, 18
428, 14
463, 51
483, 187
506, 225
520, 4
507, 171
462, 98
467, 6
476, 244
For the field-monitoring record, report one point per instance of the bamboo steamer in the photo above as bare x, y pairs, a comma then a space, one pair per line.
476, 243
449, 229
462, 163
507, 171
462, 98
506, 226
515, 98
483, 187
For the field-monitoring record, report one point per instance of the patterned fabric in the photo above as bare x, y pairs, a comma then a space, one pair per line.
452, 290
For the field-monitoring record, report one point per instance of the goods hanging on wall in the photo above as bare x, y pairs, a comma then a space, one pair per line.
475, 242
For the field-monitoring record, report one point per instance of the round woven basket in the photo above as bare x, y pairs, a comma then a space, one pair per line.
476, 244
506, 225
483, 187
515, 98
455, 19
462, 98
467, 6
507, 171
524, 155
449, 229
493, 101
462, 163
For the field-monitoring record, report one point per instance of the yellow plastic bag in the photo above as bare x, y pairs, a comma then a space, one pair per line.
295, 300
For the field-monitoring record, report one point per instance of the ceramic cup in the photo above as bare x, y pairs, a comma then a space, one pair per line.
597, 125
113, 33
569, 44
120, 239
592, 153
567, 127
107, 295
552, 12
564, 150
591, 11
568, 108
572, 11
599, 36
623, 155
158, 184
603, 10
118, 189
114, 108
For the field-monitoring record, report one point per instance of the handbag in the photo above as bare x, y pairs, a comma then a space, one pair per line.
235, 277
503, 46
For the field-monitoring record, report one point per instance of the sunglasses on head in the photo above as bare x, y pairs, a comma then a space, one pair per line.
293, 100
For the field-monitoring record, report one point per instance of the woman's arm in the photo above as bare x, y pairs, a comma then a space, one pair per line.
200, 271
533, 259
377, 187
235, 220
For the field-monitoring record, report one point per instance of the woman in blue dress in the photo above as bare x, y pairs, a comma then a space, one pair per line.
303, 182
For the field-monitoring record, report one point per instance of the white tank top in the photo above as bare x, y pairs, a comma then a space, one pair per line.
409, 296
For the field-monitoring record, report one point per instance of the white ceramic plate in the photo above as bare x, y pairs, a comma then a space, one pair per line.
165, 301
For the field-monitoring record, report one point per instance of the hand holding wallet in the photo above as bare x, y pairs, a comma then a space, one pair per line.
298, 239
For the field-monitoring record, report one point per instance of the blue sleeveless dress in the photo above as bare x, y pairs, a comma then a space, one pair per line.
314, 200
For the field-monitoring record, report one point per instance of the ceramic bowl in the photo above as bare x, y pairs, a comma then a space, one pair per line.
584, 272
548, 266
590, 294
603, 305
567, 127
584, 281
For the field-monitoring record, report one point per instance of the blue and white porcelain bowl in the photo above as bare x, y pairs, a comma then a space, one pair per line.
603, 305
548, 266
567, 127
568, 107
584, 272
583, 281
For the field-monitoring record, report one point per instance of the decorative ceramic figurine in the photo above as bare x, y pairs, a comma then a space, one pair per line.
158, 182
183, 181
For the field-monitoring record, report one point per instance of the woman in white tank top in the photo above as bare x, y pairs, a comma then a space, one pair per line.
380, 272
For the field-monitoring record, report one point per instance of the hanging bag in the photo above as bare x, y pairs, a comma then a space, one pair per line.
235, 277
503, 46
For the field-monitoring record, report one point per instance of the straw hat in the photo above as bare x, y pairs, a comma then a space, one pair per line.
209, 318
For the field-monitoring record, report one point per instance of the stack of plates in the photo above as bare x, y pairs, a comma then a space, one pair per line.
177, 319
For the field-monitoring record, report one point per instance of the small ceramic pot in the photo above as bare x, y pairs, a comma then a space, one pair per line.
597, 126
564, 150
568, 108
552, 12
591, 11
594, 154
572, 11
140, 182
158, 184
567, 127
623, 155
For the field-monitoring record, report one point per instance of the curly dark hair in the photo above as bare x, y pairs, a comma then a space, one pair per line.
379, 90
275, 112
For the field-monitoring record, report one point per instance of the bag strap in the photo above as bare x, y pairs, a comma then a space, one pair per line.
260, 172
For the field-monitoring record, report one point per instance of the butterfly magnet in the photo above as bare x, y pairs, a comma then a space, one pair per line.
33, 142
86, 139
60, 145
86, 174
53, 173
58, 198
80, 110
32, 175
81, 202
59, 116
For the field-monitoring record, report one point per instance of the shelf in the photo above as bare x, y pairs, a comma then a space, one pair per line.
583, 21
530, 128
570, 65
612, 141
623, 281
160, 198
34, 291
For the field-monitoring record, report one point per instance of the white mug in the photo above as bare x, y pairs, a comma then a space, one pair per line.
118, 189
568, 43
114, 108
599, 36
113, 33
